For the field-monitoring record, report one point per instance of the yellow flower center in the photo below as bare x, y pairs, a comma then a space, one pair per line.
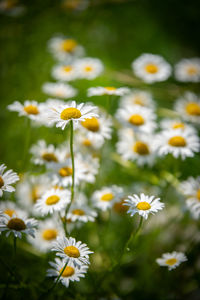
70, 113
193, 109
51, 200
141, 148
49, 234
192, 70
68, 271
78, 212
198, 194
171, 261
58, 187
68, 45
1, 182
151, 68
178, 125
72, 251
49, 157
31, 109
16, 224
34, 194
136, 120
177, 141
110, 88
88, 68
143, 205
9, 212
65, 171
87, 142
91, 124
138, 100
107, 197
67, 69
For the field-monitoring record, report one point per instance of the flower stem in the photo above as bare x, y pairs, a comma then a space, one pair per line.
53, 286
135, 234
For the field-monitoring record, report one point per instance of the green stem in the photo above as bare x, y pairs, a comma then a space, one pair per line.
135, 234
15, 246
53, 286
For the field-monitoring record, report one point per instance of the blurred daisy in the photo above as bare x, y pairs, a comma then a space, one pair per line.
175, 124
143, 205
107, 90
71, 251
177, 142
48, 231
31, 109
137, 97
106, 197
140, 150
171, 260
151, 68
12, 8
119, 207
71, 272
90, 166
44, 154
64, 48
17, 225
65, 72
6, 179
188, 70
82, 213
83, 142
10, 208
62, 115
188, 107
88, 68
59, 89
138, 118
53, 200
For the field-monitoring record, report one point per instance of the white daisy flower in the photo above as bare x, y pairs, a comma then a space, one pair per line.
177, 142
62, 115
88, 68
6, 179
138, 149
59, 89
90, 165
53, 200
31, 109
64, 48
71, 251
71, 272
17, 225
188, 70
137, 97
138, 118
107, 90
48, 231
143, 205
106, 197
84, 143
64, 72
82, 213
10, 208
175, 124
151, 68
171, 260
188, 107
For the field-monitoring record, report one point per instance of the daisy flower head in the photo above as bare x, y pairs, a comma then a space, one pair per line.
83, 142
143, 205
59, 89
141, 119
88, 68
70, 273
90, 165
44, 154
151, 68
176, 124
188, 70
53, 200
81, 213
106, 197
47, 232
71, 251
63, 114
10, 208
17, 225
171, 260
7, 179
188, 106
177, 142
107, 90
65, 48
137, 97
64, 72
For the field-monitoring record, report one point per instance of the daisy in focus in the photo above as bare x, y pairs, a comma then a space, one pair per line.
106, 197
88, 68
107, 90
188, 106
137, 97
65, 72
62, 115
7, 179
59, 89
171, 260
70, 273
53, 200
188, 70
177, 142
143, 205
151, 68
71, 251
